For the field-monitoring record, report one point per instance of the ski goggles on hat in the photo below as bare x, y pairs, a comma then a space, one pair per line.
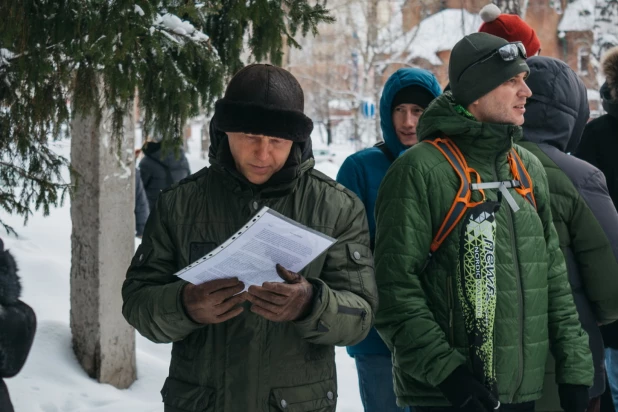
507, 53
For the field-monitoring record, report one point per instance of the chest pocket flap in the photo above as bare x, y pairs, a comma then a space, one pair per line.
314, 397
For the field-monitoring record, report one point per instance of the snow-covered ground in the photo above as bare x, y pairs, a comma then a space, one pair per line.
52, 380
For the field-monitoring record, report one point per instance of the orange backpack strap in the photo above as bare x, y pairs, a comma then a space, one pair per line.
520, 173
462, 201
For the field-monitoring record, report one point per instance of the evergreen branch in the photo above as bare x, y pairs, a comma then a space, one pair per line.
175, 55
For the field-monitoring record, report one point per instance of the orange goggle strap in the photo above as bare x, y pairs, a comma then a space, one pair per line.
462, 200
520, 173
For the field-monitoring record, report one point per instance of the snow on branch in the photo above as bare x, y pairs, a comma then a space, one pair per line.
178, 29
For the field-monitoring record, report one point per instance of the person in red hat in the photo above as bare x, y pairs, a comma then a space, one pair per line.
510, 27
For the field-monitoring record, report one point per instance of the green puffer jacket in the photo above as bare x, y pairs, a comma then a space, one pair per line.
420, 317
249, 363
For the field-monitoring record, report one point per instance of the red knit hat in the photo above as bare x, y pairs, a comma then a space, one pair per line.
510, 27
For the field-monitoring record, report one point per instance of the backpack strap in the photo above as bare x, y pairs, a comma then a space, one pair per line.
522, 183
382, 146
462, 201
520, 173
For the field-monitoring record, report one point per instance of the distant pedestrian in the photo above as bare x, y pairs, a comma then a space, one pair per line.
160, 169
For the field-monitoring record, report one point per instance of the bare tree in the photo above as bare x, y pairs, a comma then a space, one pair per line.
605, 26
509, 6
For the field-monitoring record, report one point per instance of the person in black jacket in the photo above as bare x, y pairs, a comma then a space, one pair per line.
160, 169
599, 146
17, 326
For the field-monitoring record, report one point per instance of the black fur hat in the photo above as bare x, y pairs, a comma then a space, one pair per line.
610, 69
10, 287
265, 100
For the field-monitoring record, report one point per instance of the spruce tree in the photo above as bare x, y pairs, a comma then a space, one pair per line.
60, 57
76, 66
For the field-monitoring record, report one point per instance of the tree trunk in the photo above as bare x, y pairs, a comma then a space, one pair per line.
102, 245
376, 97
372, 38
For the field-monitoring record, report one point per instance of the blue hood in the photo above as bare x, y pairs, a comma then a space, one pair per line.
402, 78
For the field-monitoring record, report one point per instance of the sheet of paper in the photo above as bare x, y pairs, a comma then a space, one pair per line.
252, 253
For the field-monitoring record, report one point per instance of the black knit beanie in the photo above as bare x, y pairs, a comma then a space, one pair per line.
413, 94
264, 100
469, 83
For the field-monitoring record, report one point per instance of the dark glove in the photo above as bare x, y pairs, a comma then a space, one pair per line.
573, 398
466, 393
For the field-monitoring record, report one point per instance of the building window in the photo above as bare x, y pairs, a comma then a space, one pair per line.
583, 60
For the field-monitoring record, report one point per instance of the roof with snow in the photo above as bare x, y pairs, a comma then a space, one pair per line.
578, 16
436, 33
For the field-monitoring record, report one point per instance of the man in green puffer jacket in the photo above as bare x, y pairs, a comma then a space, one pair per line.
270, 348
584, 215
424, 316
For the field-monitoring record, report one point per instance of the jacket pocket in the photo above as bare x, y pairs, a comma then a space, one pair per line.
359, 258
179, 396
314, 397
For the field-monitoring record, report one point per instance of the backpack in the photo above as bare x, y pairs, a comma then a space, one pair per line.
522, 183
476, 274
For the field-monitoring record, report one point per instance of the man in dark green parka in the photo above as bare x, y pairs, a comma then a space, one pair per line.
584, 215
422, 315
270, 348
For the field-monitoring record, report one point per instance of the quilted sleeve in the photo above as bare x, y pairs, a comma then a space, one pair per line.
568, 341
594, 241
404, 321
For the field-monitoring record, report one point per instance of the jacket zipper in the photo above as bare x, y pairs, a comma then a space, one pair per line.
451, 305
520, 366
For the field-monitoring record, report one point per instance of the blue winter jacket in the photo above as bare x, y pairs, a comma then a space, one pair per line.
363, 171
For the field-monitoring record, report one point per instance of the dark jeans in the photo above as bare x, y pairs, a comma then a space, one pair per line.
375, 381
514, 407
611, 366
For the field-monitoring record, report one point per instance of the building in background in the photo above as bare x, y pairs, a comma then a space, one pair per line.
347, 64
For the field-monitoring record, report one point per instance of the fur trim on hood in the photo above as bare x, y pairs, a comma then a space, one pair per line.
610, 69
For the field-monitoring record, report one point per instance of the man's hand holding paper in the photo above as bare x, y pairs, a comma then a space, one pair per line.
253, 251
281, 302
215, 301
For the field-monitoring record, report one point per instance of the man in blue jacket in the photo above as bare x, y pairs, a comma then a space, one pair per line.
406, 94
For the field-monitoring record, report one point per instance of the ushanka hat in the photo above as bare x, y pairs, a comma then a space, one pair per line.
262, 99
